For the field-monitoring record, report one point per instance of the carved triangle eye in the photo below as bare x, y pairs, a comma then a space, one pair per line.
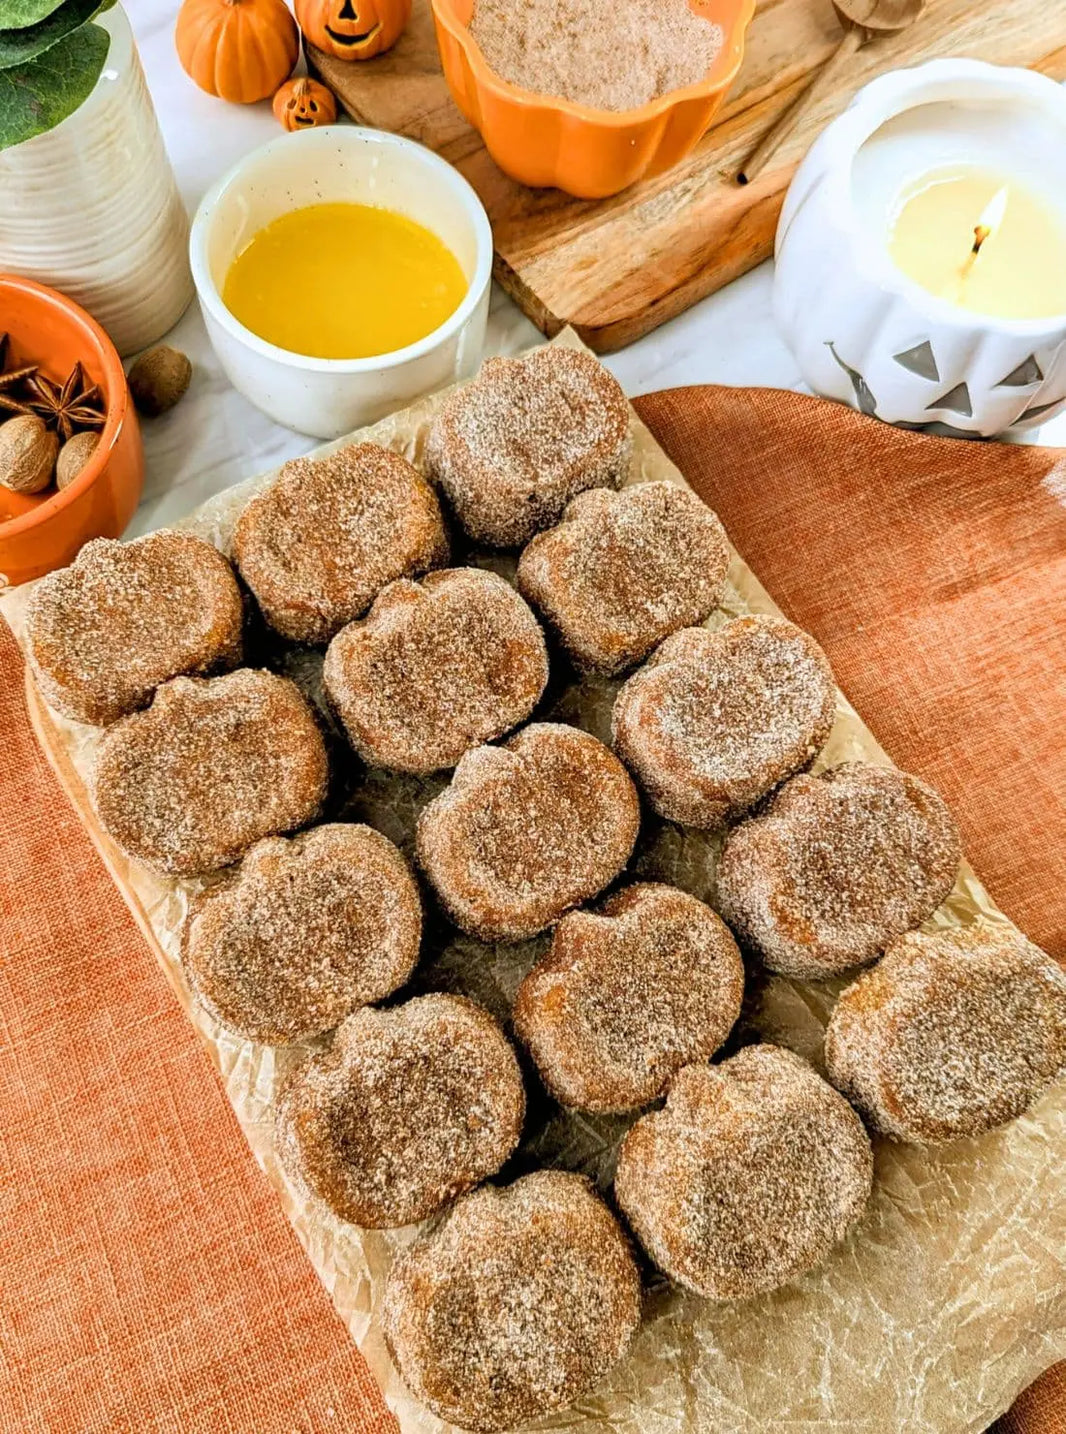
956, 400
920, 360
1027, 372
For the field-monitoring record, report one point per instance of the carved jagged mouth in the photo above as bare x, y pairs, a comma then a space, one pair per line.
340, 39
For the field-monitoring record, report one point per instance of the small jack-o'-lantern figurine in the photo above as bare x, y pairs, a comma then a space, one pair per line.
353, 29
303, 104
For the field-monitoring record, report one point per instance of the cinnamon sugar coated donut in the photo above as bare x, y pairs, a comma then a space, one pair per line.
437, 667
408, 1108
836, 867
621, 571
628, 995
213, 765
518, 1304
527, 830
305, 932
950, 1034
323, 540
715, 720
749, 1175
103, 634
514, 446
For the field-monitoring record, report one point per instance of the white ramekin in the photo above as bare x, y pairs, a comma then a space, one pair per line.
329, 397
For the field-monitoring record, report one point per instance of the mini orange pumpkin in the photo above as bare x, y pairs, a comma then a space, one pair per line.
240, 50
353, 29
304, 103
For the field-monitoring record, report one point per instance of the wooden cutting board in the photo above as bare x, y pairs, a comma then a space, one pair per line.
616, 268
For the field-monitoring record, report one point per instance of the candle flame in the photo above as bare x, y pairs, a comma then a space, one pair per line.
991, 218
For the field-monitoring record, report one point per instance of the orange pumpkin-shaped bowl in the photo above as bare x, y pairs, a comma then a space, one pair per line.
543, 141
352, 29
43, 531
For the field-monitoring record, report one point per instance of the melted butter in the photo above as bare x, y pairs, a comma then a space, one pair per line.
344, 281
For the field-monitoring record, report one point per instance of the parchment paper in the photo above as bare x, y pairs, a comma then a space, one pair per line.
947, 1300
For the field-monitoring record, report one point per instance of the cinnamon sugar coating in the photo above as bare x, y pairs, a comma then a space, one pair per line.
514, 446
103, 633
715, 720
328, 534
517, 1304
437, 667
950, 1034
628, 995
749, 1175
621, 571
212, 766
409, 1108
305, 932
527, 830
835, 867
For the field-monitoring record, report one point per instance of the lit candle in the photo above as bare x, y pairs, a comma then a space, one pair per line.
982, 241
921, 251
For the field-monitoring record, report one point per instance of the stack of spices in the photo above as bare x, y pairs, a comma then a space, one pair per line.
48, 429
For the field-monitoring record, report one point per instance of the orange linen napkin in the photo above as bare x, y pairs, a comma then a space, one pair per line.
149, 1281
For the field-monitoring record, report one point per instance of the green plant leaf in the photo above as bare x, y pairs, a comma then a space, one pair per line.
34, 97
16, 14
18, 46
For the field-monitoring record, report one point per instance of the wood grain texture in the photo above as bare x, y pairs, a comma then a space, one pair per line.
616, 268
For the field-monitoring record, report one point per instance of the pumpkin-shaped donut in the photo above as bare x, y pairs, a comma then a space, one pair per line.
353, 29
302, 104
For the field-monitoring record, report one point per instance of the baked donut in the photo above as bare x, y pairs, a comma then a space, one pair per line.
305, 932
715, 720
327, 535
835, 867
408, 1108
527, 830
628, 995
528, 434
950, 1034
621, 571
517, 1304
749, 1175
102, 634
437, 667
213, 765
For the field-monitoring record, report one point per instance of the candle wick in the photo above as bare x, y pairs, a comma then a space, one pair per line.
980, 234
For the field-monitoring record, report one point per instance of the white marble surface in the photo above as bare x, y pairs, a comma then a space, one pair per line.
215, 437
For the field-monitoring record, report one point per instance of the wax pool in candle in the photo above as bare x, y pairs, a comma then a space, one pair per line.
1019, 270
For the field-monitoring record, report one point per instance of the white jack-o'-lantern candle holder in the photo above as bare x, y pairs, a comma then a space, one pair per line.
861, 330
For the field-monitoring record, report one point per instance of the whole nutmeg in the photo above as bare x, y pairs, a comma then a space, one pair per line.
27, 454
73, 457
159, 379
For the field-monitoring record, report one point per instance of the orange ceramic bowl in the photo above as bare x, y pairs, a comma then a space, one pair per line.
543, 141
39, 532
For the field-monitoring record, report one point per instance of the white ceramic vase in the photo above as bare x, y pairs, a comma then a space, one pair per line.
863, 332
91, 207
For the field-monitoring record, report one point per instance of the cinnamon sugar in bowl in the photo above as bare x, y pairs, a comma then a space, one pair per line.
544, 140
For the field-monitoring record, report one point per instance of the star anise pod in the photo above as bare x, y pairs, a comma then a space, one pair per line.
69, 407
10, 380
